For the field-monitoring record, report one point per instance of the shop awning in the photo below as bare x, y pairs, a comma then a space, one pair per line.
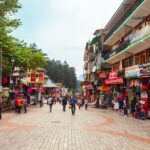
88, 87
103, 88
49, 84
84, 83
95, 40
114, 81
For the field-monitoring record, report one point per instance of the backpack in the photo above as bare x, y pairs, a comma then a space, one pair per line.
50, 100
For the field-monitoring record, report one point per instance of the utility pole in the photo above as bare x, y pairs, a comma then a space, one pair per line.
0, 83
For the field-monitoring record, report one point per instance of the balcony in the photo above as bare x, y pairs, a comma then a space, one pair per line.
138, 41
139, 34
121, 47
123, 18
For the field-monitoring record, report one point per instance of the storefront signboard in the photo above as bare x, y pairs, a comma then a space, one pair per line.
114, 81
144, 95
132, 72
102, 75
88, 87
113, 75
144, 72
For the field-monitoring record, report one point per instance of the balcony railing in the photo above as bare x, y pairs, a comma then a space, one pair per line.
121, 47
123, 18
140, 34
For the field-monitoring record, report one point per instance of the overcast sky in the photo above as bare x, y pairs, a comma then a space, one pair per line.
62, 27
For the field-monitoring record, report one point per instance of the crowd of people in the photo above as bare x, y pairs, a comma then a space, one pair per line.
118, 100
21, 101
72, 102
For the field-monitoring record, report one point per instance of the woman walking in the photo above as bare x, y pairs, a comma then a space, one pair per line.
86, 103
79, 102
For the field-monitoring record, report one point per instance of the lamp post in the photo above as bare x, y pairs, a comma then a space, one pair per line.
11, 80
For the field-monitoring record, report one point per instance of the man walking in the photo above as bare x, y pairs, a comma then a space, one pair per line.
73, 102
86, 103
64, 103
50, 102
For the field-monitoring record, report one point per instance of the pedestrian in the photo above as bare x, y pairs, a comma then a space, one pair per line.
79, 102
25, 100
41, 101
64, 103
133, 103
20, 103
125, 106
16, 104
73, 102
86, 103
50, 102
28, 98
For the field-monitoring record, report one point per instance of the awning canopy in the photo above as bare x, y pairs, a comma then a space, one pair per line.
88, 87
114, 81
24, 81
84, 83
95, 40
49, 84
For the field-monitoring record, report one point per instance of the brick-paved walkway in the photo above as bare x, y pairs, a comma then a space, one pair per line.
93, 129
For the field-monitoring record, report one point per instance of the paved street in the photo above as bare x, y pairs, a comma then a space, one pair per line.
93, 129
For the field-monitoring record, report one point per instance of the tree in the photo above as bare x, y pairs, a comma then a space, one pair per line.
61, 72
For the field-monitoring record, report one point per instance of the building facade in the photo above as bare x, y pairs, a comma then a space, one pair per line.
125, 45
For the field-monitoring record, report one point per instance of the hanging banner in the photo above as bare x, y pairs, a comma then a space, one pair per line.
114, 81
113, 75
102, 75
132, 72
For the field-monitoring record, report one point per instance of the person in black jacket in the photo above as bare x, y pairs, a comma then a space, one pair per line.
64, 103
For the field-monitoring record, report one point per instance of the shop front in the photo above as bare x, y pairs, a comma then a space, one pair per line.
133, 83
138, 85
88, 91
145, 88
115, 81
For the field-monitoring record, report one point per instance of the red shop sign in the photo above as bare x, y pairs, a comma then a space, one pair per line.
102, 75
113, 75
114, 81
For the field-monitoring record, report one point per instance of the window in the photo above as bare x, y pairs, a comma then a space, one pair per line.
142, 59
148, 55
128, 62
137, 61
116, 66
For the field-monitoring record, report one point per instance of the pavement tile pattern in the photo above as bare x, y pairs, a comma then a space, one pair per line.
92, 129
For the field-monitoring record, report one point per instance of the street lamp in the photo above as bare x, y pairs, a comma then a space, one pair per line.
11, 71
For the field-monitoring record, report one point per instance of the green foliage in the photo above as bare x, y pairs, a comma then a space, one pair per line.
61, 72
23, 55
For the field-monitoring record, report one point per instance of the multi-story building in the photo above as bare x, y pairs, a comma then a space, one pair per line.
124, 44
128, 35
94, 65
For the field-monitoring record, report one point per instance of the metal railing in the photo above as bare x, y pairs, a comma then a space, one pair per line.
121, 47
123, 18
